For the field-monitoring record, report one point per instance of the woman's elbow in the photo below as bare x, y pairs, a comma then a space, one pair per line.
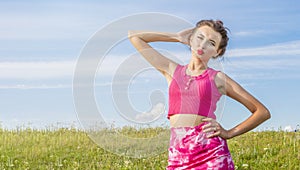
133, 37
266, 113
130, 34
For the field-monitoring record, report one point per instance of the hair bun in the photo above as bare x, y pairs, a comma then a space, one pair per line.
219, 22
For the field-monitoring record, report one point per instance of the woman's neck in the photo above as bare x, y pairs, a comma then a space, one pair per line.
196, 64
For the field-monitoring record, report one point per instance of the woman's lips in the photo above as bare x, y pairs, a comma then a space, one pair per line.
200, 52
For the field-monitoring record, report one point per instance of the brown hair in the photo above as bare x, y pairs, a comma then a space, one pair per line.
218, 27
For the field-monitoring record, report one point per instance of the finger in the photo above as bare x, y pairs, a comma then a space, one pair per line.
217, 133
211, 121
217, 126
206, 126
210, 129
212, 126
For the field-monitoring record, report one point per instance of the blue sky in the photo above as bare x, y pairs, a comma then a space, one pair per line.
41, 42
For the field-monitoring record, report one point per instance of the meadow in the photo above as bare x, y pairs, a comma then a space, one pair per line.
73, 149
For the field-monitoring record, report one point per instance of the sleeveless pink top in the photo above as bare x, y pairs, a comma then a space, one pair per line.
193, 94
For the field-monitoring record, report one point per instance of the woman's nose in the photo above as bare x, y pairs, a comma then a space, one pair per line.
202, 44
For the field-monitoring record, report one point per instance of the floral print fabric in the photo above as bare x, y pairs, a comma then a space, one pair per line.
191, 149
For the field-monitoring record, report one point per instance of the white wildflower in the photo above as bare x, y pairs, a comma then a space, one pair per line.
245, 165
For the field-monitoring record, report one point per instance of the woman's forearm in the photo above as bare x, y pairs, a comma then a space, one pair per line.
149, 36
253, 121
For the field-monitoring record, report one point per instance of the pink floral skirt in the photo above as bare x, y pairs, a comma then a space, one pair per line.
191, 149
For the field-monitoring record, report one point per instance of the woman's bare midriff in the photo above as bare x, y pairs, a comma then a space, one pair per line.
185, 120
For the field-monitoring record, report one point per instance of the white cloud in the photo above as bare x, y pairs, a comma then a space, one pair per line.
155, 113
64, 69
40, 27
71, 21
250, 33
54, 20
36, 70
269, 64
39, 123
40, 75
280, 49
288, 128
266, 62
35, 86
51, 70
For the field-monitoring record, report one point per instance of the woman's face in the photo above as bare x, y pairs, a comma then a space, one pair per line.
205, 42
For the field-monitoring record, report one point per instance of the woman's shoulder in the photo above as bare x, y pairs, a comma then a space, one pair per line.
214, 72
220, 75
220, 80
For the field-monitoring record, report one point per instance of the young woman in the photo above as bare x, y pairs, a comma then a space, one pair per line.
197, 140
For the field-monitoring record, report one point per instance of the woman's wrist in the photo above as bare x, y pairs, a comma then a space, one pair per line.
185, 35
236, 131
230, 134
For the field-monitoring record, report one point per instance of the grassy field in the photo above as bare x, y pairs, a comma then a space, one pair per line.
73, 149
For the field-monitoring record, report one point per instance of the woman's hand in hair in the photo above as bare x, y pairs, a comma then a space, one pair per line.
185, 35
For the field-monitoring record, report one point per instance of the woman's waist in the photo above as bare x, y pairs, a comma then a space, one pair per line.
186, 120
201, 112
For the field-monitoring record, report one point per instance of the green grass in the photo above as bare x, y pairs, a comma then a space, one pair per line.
73, 149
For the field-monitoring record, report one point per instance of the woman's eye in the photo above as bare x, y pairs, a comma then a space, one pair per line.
213, 44
201, 38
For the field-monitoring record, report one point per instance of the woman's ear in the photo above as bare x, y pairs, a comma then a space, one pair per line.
219, 52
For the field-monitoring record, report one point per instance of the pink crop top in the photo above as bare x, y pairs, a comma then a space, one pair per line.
193, 94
